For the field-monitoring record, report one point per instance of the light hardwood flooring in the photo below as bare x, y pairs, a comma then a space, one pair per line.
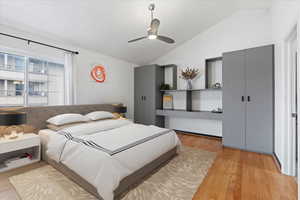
234, 175
240, 175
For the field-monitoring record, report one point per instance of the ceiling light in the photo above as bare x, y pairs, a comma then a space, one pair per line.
152, 37
152, 31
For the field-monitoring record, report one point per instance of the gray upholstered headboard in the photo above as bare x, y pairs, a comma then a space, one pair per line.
37, 116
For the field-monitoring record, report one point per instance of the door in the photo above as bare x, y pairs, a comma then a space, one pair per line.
144, 94
292, 57
259, 89
149, 94
294, 113
138, 96
234, 99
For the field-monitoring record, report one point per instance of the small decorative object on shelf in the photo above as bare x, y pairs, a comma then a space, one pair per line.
189, 74
165, 87
167, 101
217, 86
13, 135
218, 110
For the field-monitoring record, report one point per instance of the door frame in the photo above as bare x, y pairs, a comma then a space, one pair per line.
298, 90
290, 144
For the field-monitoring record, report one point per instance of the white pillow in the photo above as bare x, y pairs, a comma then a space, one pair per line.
67, 119
97, 115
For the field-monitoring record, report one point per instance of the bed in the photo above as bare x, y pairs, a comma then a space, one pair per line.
112, 157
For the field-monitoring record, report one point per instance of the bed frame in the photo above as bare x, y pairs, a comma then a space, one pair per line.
126, 184
37, 116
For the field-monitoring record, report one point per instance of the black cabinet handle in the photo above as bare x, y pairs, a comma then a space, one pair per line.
249, 99
144, 98
243, 99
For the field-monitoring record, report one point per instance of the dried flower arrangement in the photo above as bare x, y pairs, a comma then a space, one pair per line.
189, 73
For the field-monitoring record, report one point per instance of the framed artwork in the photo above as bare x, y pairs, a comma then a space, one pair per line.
98, 73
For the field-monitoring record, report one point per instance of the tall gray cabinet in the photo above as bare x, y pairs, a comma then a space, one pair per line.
147, 97
248, 99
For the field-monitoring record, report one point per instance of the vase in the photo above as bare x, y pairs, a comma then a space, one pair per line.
189, 85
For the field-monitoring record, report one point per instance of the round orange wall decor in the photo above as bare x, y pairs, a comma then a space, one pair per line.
98, 73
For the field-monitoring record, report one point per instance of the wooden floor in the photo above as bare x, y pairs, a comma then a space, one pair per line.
237, 174
234, 175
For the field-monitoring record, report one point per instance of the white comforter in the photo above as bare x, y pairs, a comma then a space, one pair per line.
105, 171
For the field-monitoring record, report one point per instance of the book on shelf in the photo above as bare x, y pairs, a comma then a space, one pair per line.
167, 101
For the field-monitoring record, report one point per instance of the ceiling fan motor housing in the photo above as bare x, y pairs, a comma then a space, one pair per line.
151, 7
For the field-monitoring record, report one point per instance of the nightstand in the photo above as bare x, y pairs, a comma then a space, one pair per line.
18, 152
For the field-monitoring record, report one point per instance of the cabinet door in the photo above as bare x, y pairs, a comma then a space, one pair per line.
259, 89
234, 99
138, 96
149, 94
144, 91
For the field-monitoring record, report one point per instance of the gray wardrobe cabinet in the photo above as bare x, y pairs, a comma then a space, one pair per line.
147, 97
248, 99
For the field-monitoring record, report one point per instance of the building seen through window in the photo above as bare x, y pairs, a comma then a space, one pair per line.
30, 81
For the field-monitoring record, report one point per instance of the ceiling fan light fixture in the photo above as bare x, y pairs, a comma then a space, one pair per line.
152, 37
152, 32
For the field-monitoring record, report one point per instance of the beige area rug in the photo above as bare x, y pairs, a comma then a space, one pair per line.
178, 180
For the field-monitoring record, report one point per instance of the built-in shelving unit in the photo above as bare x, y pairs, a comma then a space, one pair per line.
211, 77
190, 114
193, 90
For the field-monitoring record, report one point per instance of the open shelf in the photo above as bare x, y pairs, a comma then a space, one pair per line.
190, 114
193, 90
213, 71
18, 163
12, 159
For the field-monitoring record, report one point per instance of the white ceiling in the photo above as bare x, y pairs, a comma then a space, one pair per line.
107, 25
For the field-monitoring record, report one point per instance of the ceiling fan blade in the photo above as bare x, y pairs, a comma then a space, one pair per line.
154, 26
137, 39
165, 39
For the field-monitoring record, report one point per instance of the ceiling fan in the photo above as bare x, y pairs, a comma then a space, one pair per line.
153, 30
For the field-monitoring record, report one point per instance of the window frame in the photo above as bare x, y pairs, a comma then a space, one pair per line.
27, 56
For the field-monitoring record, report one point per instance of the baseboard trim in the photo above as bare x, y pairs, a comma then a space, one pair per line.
198, 134
247, 150
277, 162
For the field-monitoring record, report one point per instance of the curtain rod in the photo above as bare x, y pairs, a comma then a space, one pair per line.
40, 43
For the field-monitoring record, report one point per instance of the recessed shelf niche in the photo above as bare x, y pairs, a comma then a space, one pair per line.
213, 72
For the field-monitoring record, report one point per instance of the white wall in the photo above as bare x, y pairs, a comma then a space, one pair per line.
284, 18
117, 89
118, 86
244, 29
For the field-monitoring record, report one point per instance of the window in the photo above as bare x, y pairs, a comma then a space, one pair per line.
30, 81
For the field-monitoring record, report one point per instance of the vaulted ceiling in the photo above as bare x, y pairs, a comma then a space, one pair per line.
106, 25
